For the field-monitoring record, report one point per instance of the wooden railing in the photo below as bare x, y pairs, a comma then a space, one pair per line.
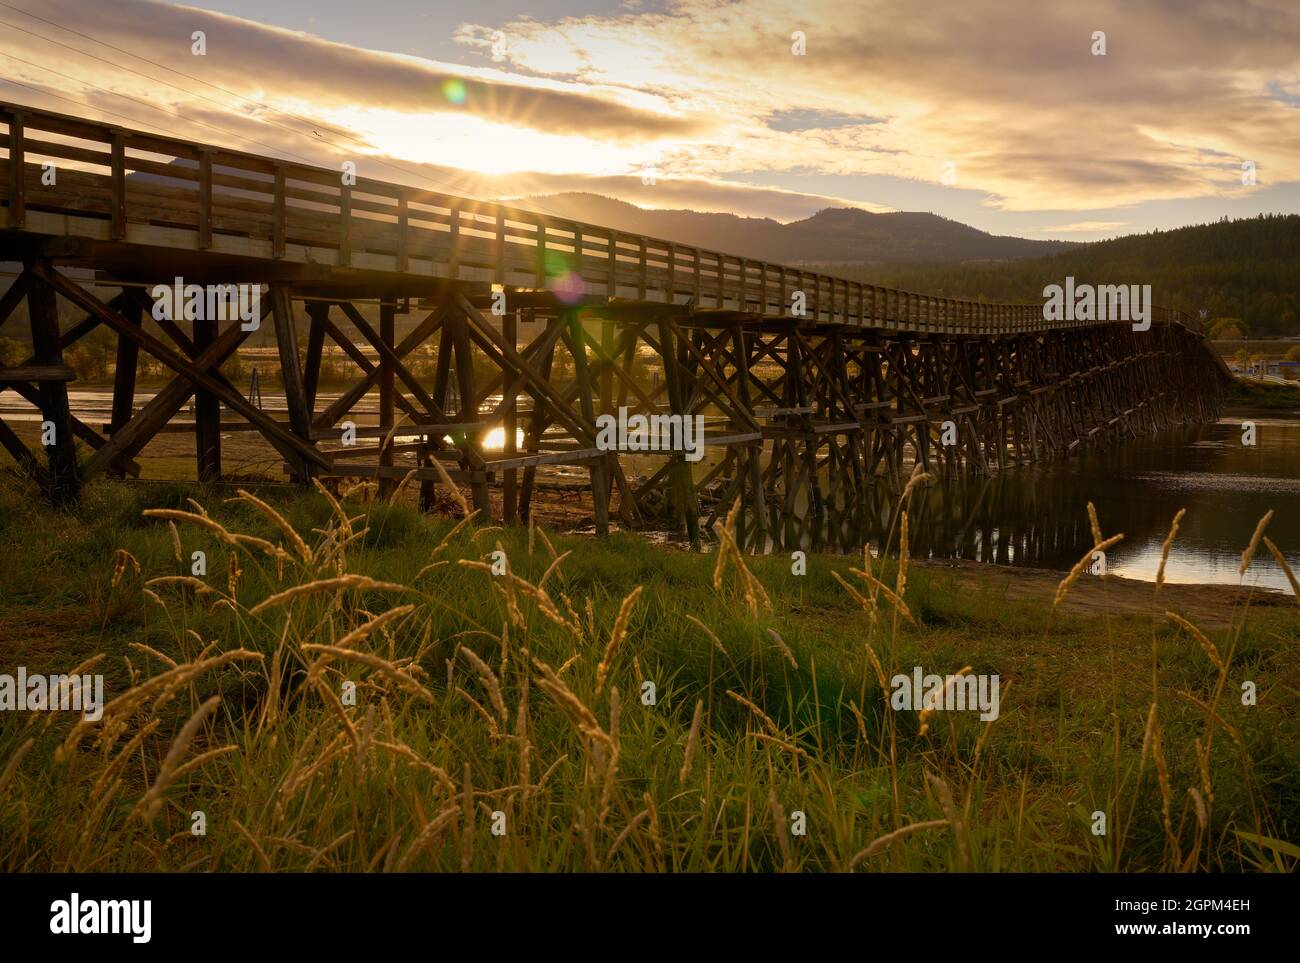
119, 184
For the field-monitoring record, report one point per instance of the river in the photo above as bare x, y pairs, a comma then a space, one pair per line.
1037, 515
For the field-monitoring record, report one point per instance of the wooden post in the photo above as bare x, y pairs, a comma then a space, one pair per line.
207, 409
541, 255
124, 372
403, 229
611, 280
345, 226
117, 229
205, 199
17, 172
599, 486
681, 468
286, 338
387, 390
501, 248
753, 454
536, 425
63, 486
465, 383
510, 428
318, 313
278, 214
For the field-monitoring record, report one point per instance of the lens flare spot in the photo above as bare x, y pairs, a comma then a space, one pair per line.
453, 88
568, 287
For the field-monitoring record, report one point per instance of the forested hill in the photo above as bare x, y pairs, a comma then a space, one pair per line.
1246, 269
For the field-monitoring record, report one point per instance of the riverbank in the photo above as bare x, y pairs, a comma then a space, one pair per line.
607, 705
1208, 605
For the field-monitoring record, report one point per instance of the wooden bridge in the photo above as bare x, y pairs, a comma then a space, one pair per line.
818, 393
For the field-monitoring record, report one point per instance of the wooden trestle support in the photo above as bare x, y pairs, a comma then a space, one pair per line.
814, 418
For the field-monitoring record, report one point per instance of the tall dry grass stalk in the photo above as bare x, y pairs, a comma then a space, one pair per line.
881, 842
708, 632
941, 789
616, 636
1165, 546
1249, 552
281, 523
783, 648
1206, 645
692, 742
336, 584
1080, 567
152, 799
1285, 566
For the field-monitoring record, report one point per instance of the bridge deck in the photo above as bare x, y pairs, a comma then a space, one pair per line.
206, 209
811, 418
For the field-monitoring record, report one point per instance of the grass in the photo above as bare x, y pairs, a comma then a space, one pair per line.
406, 708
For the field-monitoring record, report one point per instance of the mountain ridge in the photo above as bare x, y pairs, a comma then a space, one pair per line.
842, 234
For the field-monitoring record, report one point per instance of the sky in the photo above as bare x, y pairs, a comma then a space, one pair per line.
1076, 120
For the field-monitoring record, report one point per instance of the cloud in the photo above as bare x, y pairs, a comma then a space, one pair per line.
1009, 99
1091, 227
1011, 95
281, 66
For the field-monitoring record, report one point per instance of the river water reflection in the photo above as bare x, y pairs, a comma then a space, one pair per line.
1037, 516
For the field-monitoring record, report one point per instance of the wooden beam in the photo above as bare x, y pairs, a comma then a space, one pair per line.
35, 372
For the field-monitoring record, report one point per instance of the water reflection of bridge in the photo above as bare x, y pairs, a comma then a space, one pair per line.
819, 393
